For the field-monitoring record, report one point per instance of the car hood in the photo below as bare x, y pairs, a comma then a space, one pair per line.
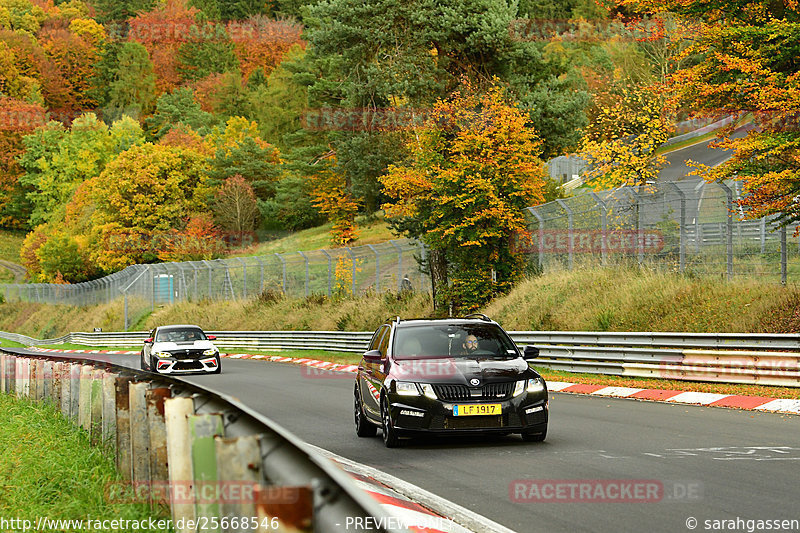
173, 346
459, 371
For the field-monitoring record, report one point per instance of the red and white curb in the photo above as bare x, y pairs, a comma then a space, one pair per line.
750, 403
412, 507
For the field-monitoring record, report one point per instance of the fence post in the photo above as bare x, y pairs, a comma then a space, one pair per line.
329, 271
109, 408
353, 261
637, 205
306, 283
729, 228
540, 220
283, 268
570, 229
784, 255
603, 227
85, 398
682, 226
261, 268
399, 264
377, 268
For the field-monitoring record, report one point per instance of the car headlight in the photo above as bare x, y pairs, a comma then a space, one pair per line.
535, 385
162, 355
427, 390
210, 351
404, 388
519, 388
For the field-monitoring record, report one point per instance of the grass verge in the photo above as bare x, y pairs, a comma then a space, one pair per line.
48, 468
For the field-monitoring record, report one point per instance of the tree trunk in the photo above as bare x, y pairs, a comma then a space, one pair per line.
437, 261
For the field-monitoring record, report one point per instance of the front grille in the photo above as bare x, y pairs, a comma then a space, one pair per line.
187, 354
451, 393
498, 390
188, 365
457, 393
473, 422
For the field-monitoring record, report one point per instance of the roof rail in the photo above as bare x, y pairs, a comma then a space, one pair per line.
479, 315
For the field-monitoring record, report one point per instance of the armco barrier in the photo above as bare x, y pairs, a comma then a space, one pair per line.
203, 453
754, 358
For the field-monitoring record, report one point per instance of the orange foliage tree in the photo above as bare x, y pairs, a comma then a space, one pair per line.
261, 42
475, 167
744, 60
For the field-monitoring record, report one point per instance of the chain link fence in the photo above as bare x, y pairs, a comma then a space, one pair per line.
392, 265
689, 226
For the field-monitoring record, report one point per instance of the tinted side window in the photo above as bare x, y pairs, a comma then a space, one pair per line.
383, 345
378, 338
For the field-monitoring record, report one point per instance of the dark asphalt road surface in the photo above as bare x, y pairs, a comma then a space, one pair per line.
734, 464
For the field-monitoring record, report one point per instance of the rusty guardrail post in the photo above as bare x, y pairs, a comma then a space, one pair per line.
96, 406
140, 433
179, 463
85, 397
157, 431
238, 462
109, 408
123, 439
203, 429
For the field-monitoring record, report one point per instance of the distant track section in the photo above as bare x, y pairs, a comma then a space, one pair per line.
19, 271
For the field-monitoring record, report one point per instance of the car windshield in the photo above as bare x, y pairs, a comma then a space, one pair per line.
461, 341
180, 335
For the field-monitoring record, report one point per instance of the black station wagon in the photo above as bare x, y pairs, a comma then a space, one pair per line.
445, 377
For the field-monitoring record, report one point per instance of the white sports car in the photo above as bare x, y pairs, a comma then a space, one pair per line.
174, 349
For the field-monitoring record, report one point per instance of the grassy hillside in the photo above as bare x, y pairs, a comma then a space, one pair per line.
371, 230
592, 299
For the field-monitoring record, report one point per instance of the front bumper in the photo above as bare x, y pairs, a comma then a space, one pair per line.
418, 414
170, 365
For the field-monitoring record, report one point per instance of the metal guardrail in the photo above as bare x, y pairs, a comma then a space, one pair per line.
754, 358
173, 440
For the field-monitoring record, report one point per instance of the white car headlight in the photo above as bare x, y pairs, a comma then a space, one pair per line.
519, 388
427, 390
210, 351
404, 388
162, 355
535, 385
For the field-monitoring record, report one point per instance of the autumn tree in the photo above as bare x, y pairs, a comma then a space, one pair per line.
474, 167
235, 207
333, 200
746, 61
142, 195
620, 145
132, 89
239, 150
17, 119
57, 160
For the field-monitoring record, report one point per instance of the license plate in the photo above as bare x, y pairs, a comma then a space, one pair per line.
478, 409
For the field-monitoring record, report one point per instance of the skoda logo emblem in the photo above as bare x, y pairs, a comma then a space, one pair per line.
474, 382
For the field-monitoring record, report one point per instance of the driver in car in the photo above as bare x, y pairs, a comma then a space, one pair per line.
470, 344
191, 336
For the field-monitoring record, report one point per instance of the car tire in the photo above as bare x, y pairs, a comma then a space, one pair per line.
534, 437
364, 428
219, 367
390, 438
142, 366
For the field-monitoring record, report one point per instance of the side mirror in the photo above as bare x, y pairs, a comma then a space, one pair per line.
148, 341
531, 352
373, 356
211, 337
